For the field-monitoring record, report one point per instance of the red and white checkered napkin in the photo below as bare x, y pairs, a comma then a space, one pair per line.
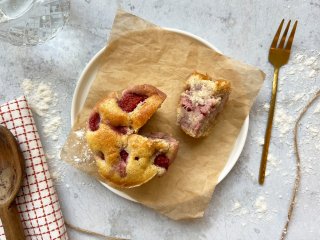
37, 200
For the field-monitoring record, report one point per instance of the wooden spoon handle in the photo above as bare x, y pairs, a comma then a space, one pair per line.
12, 223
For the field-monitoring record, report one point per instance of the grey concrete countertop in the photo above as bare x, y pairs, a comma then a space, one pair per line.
240, 209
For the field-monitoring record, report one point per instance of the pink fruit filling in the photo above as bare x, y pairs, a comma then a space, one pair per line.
130, 101
121, 129
94, 121
187, 104
124, 155
162, 161
121, 166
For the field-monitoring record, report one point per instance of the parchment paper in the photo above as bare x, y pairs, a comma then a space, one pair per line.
139, 52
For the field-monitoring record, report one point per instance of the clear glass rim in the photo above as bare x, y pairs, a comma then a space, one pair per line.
7, 18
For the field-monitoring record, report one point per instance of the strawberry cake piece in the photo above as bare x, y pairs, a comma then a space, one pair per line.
200, 103
125, 158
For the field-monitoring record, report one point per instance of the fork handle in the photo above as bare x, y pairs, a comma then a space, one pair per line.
263, 164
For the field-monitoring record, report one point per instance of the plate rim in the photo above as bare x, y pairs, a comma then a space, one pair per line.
238, 145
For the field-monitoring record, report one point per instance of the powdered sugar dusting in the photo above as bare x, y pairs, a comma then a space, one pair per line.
299, 81
260, 205
308, 63
257, 208
317, 109
238, 209
273, 161
40, 96
42, 100
260, 141
266, 106
236, 205
299, 97
86, 153
3, 17
80, 134
52, 126
283, 121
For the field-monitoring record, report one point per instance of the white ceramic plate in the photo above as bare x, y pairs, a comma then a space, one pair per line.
82, 90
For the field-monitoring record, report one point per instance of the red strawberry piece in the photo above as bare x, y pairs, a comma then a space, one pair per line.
122, 164
130, 101
162, 161
94, 121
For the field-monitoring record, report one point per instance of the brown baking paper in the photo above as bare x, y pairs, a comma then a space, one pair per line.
139, 52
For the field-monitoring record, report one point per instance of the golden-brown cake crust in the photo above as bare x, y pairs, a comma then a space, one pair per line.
125, 158
111, 112
221, 85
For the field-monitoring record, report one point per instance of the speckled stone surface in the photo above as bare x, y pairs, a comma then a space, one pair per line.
240, 29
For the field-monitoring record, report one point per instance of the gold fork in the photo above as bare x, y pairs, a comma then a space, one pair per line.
278, 56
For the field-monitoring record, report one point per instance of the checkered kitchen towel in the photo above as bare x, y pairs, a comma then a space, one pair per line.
37, 200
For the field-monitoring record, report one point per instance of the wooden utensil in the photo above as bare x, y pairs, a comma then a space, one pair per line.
278, 56
11, 175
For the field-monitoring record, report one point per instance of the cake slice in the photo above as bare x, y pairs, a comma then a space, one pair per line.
200, 103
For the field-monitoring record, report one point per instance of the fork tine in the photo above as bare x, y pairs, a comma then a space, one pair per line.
290, 40
284, 36
276, 37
